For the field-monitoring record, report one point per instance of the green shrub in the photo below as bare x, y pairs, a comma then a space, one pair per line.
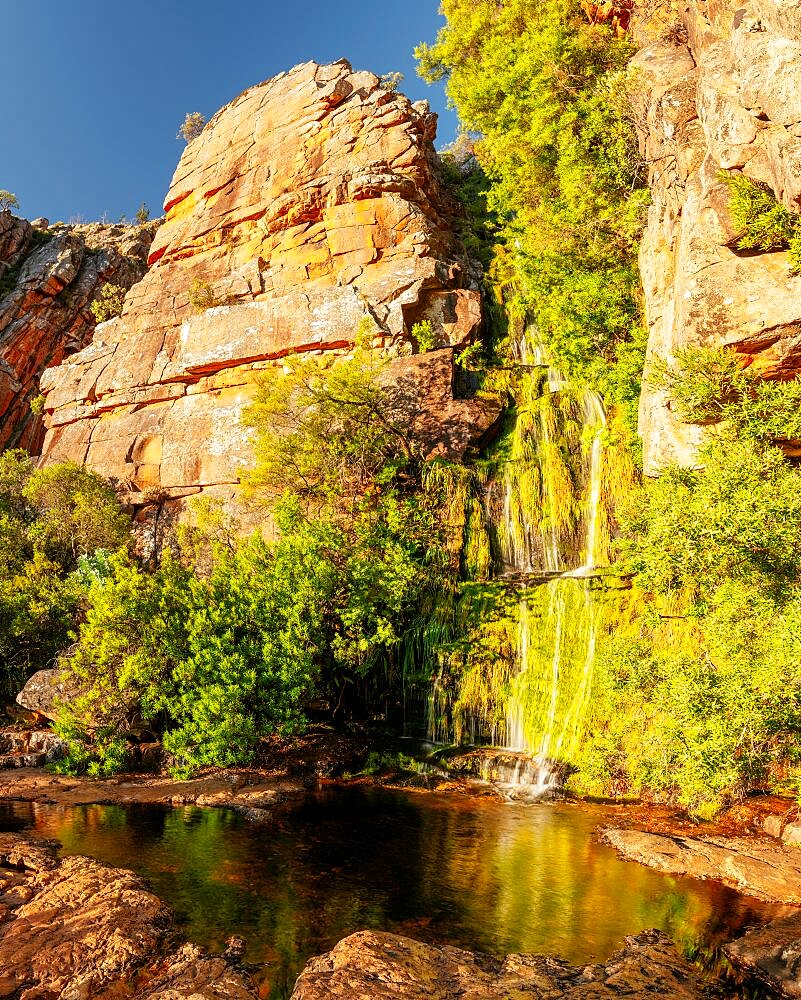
201, 296
763, 222
424, 336
109, 303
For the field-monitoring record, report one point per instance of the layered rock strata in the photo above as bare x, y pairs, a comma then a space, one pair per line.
721, 90
49, 278
307, 210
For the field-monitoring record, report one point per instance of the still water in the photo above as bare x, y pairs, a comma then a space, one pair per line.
482, 875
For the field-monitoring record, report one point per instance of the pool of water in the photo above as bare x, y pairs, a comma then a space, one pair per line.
481, 875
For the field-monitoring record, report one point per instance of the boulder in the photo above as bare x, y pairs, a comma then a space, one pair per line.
75, 928
370, 965
43, 691
771, 954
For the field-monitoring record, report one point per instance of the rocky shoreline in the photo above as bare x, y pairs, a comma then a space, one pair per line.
113, 930
75, 928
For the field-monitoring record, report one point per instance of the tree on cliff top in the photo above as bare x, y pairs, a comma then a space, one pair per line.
192, 126
8, 201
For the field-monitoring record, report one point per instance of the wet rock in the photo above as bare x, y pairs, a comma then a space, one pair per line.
193, 974
76, 928
772, 954
370, 965
761, 867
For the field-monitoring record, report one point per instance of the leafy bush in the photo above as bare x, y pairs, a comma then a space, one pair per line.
192, 126
764, 223
424, 336
109, 303
391, 81
548, 98
50, 519
8, 201
201, 296
142, 215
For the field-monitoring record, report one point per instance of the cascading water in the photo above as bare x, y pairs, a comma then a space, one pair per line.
544, 513
555, 647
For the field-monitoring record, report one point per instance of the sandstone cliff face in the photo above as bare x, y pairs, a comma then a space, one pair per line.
48, 280
308, 206
730, 98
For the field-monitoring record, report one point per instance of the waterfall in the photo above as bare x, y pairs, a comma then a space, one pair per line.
524, 671
555, 650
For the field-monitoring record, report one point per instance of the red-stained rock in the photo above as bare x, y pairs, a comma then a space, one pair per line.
308, 208
48, 280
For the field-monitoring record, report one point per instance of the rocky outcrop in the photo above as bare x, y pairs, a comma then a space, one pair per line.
760, 867
771, 954
49, 278
307, 210
730, 98
370, 965
29, 748
76, 928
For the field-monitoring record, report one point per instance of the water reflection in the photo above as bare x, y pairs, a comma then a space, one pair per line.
481, 875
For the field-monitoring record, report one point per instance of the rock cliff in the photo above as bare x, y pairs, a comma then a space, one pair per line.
722, 90
49, 278
307, 208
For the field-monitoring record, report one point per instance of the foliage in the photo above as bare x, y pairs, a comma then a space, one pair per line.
50, 519
214, 662
714, 386
547, 97
424, 336
763, 222
8, 201
201, 295
391, 81
37, 404
192, 126
109, 303
328, 430
142, 215
708, 662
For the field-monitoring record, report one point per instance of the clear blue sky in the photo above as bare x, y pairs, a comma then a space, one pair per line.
94, 90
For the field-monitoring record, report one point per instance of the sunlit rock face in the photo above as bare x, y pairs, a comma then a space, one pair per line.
48, 280
307, 208
728, 99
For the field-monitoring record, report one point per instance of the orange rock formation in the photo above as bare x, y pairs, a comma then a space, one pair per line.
307, 207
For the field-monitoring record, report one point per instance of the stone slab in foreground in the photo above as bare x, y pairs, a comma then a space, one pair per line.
764, 868
371, 966
75, 928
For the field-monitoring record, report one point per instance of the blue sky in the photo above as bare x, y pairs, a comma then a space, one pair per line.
94, 90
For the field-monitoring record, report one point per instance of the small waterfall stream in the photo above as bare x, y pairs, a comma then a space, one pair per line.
548, 531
